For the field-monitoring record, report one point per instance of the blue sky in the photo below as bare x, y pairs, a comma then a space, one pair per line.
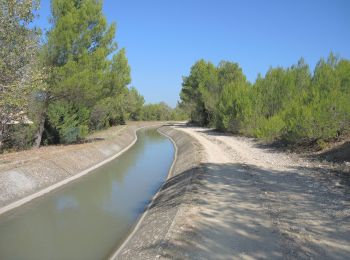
164, 38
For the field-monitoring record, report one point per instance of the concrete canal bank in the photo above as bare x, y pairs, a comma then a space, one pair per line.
29, 174
90, 217
152, 236
37, 173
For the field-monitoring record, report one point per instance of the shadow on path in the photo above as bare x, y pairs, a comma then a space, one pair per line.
240, 211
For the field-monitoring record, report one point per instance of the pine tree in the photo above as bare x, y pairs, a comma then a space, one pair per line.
76, 53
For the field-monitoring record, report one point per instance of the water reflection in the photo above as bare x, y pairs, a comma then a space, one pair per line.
88, 218
66, 202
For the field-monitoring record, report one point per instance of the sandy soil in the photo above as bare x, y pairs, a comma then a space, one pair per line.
251, 202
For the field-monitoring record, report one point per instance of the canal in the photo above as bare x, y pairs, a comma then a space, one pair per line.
90, 217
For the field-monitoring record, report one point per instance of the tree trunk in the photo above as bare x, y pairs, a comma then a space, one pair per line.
39, 133
1, 136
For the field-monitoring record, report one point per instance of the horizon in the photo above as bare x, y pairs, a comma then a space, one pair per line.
164, 40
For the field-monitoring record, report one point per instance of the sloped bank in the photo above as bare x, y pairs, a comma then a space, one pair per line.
31, 177
151, 235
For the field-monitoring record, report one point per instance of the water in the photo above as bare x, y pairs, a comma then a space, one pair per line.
89, 218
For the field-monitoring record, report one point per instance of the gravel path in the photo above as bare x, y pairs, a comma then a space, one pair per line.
254, 203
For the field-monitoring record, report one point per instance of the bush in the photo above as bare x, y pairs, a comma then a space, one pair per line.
270, 129
154, 112
108, 112
70, 123
21, 137
233, 107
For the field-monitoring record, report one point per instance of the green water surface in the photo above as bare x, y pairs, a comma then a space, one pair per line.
89, 218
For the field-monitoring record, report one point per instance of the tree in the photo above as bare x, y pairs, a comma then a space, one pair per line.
234, 106
18, 48
134, 104
157, 112
343, 73
179, 114
113, 106
202, 90
231, 97
76, 53
118, 75
202, 75
287, 104
70, 122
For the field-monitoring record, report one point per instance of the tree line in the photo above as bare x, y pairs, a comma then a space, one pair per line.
292, 105
57, 87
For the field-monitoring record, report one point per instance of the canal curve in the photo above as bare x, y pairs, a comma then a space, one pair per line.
90, 217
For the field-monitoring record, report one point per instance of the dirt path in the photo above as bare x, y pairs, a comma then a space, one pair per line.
254, 203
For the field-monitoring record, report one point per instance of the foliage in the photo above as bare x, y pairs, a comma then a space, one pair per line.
162, 112
288, 104
117, 102
18, 48
134, 102
154, 112
75, 82
21, 137
202, 73
179, 114
202, 91
77, 51
70, 122
233, 106
108, 112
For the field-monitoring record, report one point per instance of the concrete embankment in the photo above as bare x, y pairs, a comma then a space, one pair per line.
24, 174
29, 174
152, 235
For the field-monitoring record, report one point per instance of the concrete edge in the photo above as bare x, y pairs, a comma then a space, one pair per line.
171, 174
171, 170
61, 183
144, 214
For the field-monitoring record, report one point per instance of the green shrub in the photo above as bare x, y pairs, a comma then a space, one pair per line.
108, 112
271, 129
71, 123
21, 137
